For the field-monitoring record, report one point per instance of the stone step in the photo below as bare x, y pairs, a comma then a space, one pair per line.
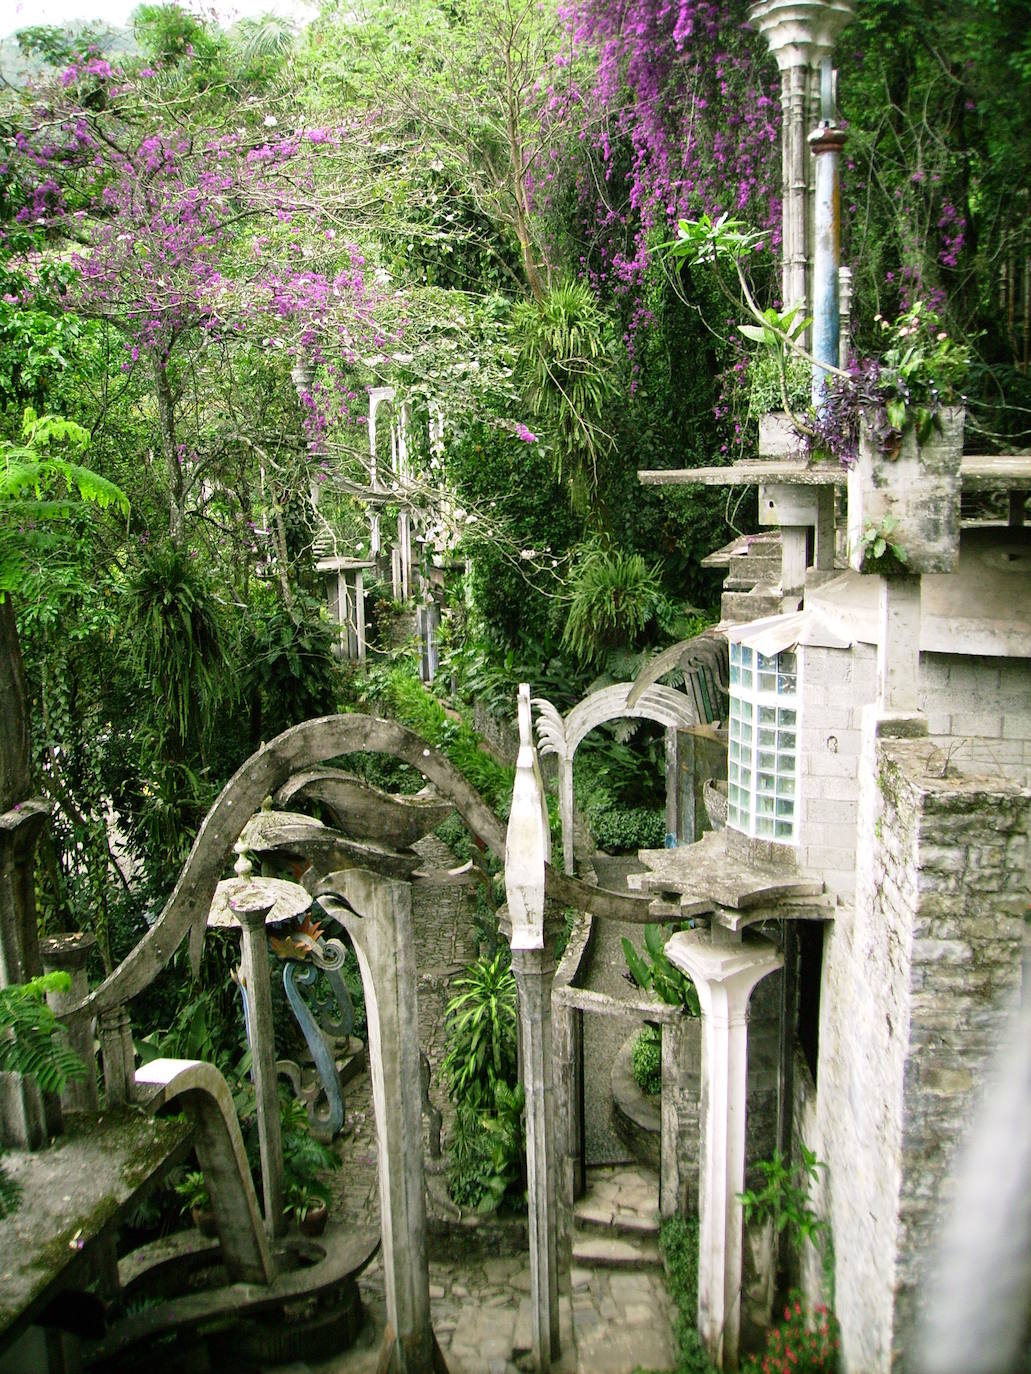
598, 1216
616, 1252
740, 606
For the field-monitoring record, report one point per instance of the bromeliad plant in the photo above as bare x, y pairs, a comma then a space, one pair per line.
921, 370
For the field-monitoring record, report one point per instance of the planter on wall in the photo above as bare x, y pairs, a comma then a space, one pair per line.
918, 486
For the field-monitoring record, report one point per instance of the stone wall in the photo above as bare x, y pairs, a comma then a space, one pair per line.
918, 979
978, 712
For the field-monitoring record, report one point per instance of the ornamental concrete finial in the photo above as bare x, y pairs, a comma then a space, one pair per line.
800, 32
528, 841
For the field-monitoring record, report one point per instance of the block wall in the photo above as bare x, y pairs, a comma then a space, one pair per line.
918, 981
978, 713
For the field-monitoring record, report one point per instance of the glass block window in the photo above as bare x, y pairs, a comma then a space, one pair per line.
762, 759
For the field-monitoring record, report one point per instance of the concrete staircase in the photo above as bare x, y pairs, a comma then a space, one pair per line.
617, 1221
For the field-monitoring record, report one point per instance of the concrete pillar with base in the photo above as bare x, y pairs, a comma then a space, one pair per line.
527, 851
724, 975
254, 980
376, 912
68, 954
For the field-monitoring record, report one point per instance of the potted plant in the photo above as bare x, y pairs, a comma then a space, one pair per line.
308, 1204
304, 1159
193, 1189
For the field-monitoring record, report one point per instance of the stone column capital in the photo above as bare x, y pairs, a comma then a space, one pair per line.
724, 975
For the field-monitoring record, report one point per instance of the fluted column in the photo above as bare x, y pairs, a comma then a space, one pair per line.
724, 976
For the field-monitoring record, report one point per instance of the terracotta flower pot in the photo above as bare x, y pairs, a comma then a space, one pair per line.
313, 1223
204, 1220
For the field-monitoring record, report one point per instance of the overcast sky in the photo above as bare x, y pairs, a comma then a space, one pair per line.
20, 14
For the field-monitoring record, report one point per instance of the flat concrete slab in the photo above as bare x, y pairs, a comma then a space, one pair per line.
74, 1193
705, 876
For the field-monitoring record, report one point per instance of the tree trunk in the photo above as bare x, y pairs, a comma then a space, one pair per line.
169, 449
15, 769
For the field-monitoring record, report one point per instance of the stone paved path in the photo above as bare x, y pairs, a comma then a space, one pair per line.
614, 1310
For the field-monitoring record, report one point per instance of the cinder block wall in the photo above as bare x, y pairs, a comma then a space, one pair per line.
918, 980
978, 713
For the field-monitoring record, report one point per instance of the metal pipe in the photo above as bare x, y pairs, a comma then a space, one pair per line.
826, 143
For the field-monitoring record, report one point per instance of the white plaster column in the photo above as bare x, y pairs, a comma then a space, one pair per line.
724, 976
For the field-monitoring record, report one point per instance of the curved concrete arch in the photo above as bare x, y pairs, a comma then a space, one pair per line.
207, 1101
301, 747
563, 735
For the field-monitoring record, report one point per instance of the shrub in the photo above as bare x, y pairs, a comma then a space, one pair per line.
646, 1060
481, 1029
485, 1151
801, 1344
678, 1242
626, 829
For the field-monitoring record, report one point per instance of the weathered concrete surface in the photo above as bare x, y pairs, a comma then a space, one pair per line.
74, 1193
917, 983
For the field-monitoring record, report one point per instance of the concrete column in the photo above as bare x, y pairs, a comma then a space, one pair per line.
567, 1060
254, 980
377, 914
527, 852
27, 1120
794, 184
799, 33
898, 650
116, 1055
724, 976
534, 970
68, 954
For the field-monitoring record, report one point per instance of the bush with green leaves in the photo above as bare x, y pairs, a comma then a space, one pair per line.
625, 830
646, 1060
32, 1044
678, 1243
482, 1048
485, 1151
654, 972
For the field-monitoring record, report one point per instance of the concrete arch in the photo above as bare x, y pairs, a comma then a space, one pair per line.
562, 736
205, 1097
301, 747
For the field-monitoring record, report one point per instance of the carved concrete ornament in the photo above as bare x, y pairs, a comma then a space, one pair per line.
528, 842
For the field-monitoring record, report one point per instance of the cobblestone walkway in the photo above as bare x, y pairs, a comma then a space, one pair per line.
614, 1311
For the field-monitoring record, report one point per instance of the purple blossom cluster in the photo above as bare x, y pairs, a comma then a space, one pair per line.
211, 232
683, 117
